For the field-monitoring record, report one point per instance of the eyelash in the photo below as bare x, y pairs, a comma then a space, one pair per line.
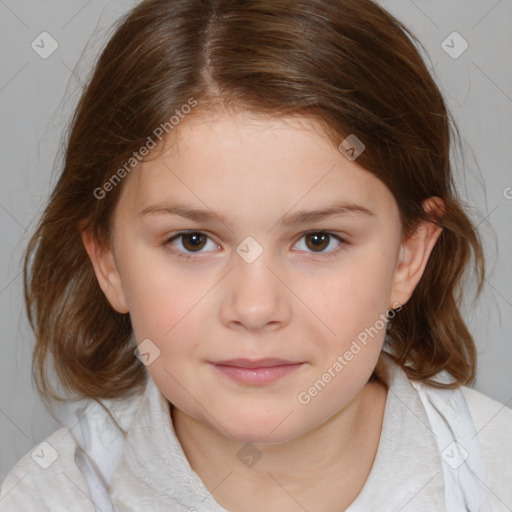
189, 256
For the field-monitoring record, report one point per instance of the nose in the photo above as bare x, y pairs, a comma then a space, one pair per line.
254, 296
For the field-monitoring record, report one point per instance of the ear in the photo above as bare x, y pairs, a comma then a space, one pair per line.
415, 252
105, 268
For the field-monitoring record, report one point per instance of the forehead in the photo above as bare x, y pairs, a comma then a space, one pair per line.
252, 163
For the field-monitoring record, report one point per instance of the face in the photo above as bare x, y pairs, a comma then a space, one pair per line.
250, 278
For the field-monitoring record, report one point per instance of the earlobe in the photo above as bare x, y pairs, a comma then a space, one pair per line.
415, 252
105, 268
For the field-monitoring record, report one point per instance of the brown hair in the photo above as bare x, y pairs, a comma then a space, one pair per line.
348, 64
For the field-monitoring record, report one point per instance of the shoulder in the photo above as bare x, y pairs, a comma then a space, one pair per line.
492, 419
493, 425
47, 479
483, 408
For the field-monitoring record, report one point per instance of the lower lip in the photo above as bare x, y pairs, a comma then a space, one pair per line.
257, 376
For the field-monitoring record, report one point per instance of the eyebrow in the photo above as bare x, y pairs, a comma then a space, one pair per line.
291, 219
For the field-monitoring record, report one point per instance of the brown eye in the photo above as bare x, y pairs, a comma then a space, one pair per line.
187, 245
322, 243
193, 241
317, 241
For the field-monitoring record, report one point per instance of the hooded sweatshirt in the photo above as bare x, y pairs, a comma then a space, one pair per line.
439, 450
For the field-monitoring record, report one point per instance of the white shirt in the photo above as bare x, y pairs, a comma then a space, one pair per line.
439, 450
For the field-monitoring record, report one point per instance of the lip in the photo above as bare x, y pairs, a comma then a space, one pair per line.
256, 371
256, 363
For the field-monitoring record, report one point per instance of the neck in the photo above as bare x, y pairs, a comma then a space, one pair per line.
323, 469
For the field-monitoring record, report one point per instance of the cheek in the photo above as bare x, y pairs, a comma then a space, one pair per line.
167, 319
160, 297
355, 296
168, 308
354, 308
167, 316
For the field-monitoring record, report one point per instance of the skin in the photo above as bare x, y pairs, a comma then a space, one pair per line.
290, 303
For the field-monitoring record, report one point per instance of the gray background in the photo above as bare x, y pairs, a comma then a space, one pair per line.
37, 97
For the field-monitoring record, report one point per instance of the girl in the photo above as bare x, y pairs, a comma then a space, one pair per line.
247, 278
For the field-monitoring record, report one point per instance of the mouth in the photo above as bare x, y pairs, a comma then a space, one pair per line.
256, 371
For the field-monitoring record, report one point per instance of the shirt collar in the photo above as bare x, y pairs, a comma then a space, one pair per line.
406, 473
